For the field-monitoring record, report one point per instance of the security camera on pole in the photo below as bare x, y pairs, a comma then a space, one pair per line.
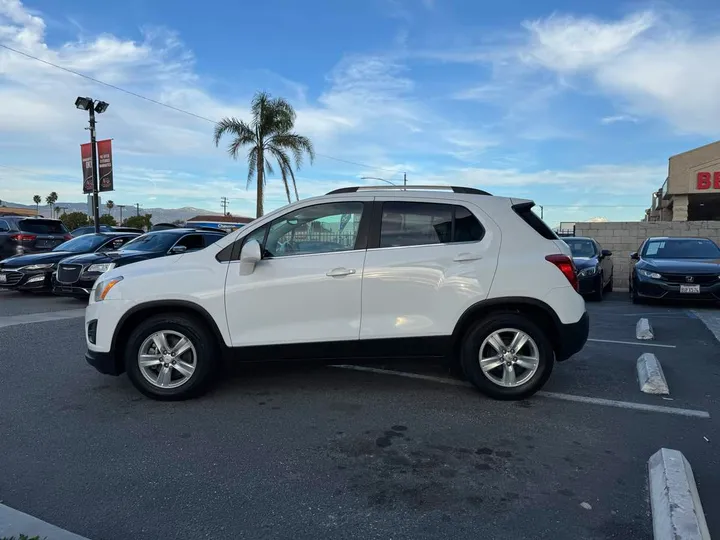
91, 182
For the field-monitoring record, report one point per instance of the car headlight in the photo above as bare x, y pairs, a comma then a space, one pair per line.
101, 268
652, 275
37, 267
588, 272
104, 287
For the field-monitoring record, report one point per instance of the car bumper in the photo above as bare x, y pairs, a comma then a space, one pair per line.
572, 337
104, 362
589, 285
80, 288
29, 281
662, 290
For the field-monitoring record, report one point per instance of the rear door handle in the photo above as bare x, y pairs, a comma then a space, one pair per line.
462, 257
339, 272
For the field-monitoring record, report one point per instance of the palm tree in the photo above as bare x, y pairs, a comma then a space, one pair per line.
37, 199
110, 205
269, 134
51, 200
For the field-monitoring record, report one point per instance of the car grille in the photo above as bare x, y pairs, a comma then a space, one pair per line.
701, 279
13, 278
69, 273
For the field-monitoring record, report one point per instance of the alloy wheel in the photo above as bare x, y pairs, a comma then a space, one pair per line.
167, 359
509, 357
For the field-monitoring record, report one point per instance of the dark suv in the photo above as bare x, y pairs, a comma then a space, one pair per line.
22, 235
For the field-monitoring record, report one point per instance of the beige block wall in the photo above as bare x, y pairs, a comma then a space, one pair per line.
624, 237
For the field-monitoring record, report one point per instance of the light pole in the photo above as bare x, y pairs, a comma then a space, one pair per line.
121, 206
377, 178
92, 106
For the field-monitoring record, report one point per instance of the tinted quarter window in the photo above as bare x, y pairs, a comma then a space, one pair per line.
416, 224
467, 226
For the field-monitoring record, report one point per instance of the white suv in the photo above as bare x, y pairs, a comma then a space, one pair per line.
360, 273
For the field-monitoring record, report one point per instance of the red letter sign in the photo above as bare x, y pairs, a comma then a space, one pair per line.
716, 180
703, 180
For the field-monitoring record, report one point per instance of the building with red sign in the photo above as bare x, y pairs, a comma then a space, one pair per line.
692, 189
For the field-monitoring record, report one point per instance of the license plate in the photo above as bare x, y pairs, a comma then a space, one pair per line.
690, 289
3, 278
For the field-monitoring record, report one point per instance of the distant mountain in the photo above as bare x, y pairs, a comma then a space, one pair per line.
159, 215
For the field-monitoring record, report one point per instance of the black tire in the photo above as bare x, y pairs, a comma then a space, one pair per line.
206, 362
633, 294
598, 294
470, 359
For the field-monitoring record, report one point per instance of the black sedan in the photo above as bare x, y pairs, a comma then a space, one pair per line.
594, 266
77, 275
676, 268
33, 273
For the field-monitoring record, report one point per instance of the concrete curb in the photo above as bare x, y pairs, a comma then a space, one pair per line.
677, 513
14, 523
643, 330
650, 375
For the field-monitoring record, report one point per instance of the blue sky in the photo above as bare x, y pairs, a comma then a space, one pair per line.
576, 105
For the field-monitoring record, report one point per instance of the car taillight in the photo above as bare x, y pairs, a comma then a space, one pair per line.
68, 236
566, 265
23, 237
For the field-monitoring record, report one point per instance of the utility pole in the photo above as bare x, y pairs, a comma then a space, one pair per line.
121, 206
224, 202
542, 211
404, 179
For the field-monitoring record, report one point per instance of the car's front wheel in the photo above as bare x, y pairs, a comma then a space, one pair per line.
171, 357
507, 356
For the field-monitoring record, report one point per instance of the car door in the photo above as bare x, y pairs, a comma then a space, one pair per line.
429, 262
605, 263
307, 286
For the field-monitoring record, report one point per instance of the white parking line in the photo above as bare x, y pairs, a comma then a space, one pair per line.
29, 318
551, 395
711, 320
632, 343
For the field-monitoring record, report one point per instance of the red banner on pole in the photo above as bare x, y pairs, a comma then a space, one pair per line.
87, 167
105, 169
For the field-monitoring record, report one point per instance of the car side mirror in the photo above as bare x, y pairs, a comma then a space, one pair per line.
178, 249
634, 256
250, 255
606, 253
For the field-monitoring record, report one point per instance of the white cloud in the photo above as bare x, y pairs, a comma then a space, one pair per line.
656, 65
606, 120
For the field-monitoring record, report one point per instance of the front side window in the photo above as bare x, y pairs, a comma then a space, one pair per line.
192, 242
417, 224
322, 228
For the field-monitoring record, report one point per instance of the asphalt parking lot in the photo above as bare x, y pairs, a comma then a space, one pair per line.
302, 451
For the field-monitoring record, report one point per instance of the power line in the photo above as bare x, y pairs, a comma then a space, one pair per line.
168, 106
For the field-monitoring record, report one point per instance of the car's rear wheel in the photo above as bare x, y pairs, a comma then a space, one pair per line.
171, 357
507, 356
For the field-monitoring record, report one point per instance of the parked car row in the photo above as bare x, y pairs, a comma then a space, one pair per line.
72, 267
668, 268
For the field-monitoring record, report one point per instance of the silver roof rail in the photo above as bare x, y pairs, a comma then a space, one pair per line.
454, 189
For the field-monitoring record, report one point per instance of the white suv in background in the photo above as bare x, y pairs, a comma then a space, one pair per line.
360, 273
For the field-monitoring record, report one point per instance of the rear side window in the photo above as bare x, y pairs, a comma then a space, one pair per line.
4, 225
417, 224
212, 238
42, 226
525, 212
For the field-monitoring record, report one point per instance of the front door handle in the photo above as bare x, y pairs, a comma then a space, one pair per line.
462, 257
339, 272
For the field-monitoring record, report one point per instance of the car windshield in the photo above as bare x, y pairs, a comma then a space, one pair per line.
152, 242
681, 248
42, 226
82, 244
581, 248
